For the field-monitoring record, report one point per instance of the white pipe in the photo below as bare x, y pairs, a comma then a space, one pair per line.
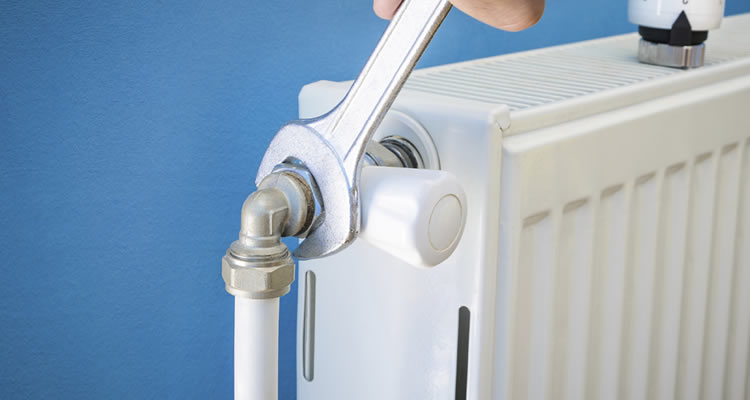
256, 348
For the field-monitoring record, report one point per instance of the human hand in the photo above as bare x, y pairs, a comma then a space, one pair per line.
508, 15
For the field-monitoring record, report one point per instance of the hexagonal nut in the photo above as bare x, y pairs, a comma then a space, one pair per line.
304, 174
244, 279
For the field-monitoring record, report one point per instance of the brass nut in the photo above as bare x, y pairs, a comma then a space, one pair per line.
254, 280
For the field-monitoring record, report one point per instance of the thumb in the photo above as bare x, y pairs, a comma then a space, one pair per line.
385, 8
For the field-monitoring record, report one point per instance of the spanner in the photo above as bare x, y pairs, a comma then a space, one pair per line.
331, 146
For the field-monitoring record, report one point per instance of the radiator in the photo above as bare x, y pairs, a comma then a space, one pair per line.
606, 251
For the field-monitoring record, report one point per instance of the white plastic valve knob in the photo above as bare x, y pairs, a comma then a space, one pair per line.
704, 15
416, 215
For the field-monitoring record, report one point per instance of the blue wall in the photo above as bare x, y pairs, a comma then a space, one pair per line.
130, 132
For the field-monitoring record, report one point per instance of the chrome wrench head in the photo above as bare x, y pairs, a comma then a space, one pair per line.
331, 146
339, 222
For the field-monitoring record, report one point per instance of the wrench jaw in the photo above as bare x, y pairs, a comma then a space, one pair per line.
339, 222
331, 147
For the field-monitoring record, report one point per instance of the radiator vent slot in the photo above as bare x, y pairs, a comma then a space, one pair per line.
548, 76
308, 328
462, 353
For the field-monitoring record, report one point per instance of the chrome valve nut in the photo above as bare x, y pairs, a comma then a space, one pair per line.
313, 206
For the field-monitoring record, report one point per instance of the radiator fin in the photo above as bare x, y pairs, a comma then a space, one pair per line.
535, 284
571, 299
739, 329
722, 263
696, 278
639, 287
607, 293
636, 292
668, 283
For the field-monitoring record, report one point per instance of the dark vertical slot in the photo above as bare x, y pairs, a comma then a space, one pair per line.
462, 353
308, 328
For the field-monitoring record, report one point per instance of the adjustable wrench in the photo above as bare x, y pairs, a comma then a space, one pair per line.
331, 146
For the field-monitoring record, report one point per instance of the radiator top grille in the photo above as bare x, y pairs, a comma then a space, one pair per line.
541, 77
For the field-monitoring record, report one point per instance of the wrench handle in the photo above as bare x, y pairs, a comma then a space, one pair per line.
351, 124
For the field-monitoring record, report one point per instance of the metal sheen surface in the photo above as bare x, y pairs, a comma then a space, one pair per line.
308, 333
671, 56
333, 145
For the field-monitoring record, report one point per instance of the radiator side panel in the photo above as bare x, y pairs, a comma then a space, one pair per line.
385, 329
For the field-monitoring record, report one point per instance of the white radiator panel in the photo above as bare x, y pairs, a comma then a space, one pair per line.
628, 269
607, 248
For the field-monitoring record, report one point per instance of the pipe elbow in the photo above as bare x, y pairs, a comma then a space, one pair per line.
259, 265
264, 214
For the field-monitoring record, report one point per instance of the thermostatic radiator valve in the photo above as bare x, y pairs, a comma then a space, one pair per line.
673, 32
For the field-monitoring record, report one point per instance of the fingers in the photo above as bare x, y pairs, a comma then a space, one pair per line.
385, 8
509, 15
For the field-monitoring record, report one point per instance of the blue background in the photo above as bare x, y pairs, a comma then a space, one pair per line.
130, 132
